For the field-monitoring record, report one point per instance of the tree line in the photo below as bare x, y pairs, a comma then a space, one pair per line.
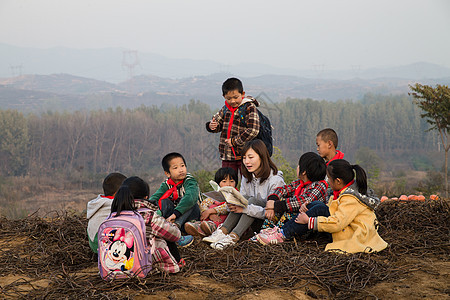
134, 140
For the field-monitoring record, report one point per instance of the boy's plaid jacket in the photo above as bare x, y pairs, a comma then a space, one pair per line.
315, 191
239, 133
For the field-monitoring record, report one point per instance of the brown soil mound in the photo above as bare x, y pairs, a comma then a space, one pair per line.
50, 258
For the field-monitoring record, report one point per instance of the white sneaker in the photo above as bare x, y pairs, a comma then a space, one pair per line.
223, 243
215, 236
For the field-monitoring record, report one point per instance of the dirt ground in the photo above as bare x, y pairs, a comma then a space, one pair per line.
432, 283
413, 267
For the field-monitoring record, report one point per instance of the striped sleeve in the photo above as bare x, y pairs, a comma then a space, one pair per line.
316, 191
312, 223
164, 229
286, 191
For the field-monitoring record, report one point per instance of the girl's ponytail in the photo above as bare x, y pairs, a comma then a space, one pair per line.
340, 168
361, 179
123, 200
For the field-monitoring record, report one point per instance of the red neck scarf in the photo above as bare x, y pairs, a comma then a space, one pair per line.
337, 193
299, 189
109, 197
230, 124
339, 155
171, 191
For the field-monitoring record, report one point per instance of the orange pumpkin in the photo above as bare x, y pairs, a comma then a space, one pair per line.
412, 197
434, 197
384, 198
403, 198
395, 198
421, 198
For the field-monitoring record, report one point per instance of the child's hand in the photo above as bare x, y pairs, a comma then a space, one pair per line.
171, 218
215, 218
270, 213
302, 218
235, 208
228, 141
303, 208
207, 213
213, 124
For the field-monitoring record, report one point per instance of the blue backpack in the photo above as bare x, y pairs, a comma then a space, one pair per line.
265, 128
123, 249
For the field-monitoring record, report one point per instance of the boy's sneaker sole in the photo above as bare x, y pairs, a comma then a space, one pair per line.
187, 244
208, 228
193, 230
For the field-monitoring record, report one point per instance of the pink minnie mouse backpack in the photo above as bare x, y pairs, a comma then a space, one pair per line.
123, 250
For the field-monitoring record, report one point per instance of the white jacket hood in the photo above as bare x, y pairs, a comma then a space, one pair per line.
97, 211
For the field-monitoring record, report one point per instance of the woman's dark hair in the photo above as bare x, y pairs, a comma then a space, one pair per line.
123, 200
342, 169
138, 187
314, 165
224, 173
267, 165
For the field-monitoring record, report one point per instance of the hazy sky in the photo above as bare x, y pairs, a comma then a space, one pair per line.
299, 34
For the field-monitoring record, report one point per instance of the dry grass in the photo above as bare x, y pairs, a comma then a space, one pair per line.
50, 258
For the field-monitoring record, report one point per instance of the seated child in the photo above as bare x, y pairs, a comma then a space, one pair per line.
287, 201
162, 235
327, 142
349, 216
178, 196
99, 208
213, 212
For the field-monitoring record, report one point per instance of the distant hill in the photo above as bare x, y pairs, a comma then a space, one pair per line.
31, 93
32, 101
59, 83
109, 64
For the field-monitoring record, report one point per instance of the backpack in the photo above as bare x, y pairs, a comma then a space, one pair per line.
123, 249
265, 128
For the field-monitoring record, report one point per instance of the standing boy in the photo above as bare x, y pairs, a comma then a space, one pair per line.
100, 208
227, 121
178, 196
327, 142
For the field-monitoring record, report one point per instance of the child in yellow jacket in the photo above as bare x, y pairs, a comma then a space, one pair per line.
349, 216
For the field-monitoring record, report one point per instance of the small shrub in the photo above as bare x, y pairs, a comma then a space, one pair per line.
432, 184
203, 177
289, 173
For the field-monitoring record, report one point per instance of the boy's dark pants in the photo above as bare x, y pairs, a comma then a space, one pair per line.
174, 250
315, 209
167, 208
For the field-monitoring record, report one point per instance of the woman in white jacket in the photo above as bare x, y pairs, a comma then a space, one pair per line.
260, 177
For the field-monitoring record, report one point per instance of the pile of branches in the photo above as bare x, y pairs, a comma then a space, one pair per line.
56, 250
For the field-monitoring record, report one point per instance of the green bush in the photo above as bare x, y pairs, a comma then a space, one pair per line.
433, 183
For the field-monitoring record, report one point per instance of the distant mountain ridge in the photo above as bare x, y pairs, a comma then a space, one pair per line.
31, 93
59, 83
71, 79
110, 65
